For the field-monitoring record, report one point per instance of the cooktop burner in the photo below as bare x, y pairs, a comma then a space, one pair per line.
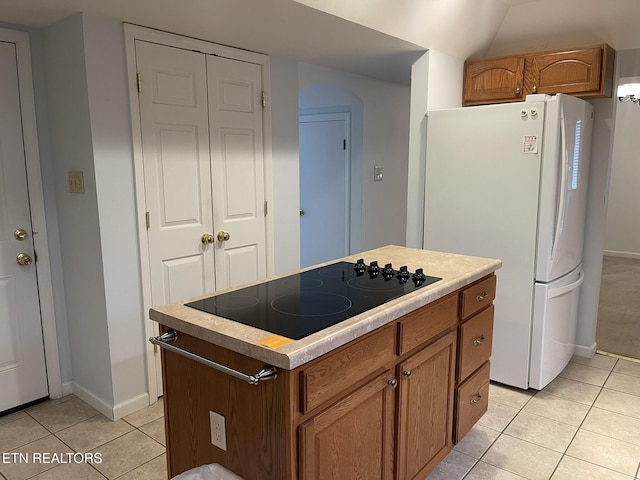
307, 302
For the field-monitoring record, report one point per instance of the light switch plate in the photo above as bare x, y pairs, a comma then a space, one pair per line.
377, 173
76, 182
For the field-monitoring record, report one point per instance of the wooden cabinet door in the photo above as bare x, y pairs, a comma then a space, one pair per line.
352, 439
425, 408
493, 81
573, 71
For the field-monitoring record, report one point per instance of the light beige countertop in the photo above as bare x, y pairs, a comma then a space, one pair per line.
456, 271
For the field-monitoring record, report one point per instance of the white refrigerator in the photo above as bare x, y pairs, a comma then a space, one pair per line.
509, 181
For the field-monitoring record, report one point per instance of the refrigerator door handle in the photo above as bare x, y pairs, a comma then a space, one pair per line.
563, 184
567, 288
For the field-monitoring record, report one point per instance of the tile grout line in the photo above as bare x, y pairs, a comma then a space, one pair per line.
564, 454
496, 439
145, 463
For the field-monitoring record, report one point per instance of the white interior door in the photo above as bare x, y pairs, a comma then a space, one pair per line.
203, 162
237, 170
23, 376
175, 136
177, 173
324, 188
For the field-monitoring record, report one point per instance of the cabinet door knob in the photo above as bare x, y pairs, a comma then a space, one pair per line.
20, 234
223, 236
534, 89
475, 399
478, 340
24, 259
206, 238
407, 373
517, 91
393, 383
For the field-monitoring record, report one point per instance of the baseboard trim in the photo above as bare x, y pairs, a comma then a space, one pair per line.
613, 253
586, 352
113, 412
131, 405
96, 402
67, 388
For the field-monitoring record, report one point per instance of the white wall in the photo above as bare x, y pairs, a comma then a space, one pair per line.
72, 150
115, 191
622, 236
384, 140
90, 130
436, 83
285, 172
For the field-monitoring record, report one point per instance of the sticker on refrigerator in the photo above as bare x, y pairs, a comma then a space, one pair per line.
530, 144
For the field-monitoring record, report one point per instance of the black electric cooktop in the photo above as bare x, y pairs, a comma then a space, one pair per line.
304, 303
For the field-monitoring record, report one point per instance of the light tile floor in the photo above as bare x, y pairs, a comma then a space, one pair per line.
132, 448
585, 425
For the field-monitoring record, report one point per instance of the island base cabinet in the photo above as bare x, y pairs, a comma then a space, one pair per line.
353, 439
255, 415
425, 408
385, 406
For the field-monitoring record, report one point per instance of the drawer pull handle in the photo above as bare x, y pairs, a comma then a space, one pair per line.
482, 297
478, 340
393, 383
475, 399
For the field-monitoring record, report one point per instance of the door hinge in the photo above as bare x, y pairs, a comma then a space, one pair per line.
148, 220
139, 82
266, 208
344, 144
264, 99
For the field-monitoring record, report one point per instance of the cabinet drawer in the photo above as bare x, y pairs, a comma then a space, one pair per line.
427, 322
472, 401
475, 342
477, 296
329, 376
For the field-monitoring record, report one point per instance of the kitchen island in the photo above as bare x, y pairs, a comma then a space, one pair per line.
382, 394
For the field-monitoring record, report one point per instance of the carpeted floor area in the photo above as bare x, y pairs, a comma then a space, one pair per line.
618, 329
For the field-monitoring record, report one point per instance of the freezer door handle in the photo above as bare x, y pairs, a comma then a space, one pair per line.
563, 184
556, 292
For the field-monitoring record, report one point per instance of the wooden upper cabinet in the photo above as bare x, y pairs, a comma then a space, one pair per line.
583, 72
493, 81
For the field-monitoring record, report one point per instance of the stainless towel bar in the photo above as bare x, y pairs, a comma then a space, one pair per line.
164, 341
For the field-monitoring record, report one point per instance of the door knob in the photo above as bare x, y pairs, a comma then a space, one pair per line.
20, 234
223, 236
206, 238
24, 259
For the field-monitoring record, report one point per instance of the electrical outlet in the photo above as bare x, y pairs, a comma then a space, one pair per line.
218, 430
